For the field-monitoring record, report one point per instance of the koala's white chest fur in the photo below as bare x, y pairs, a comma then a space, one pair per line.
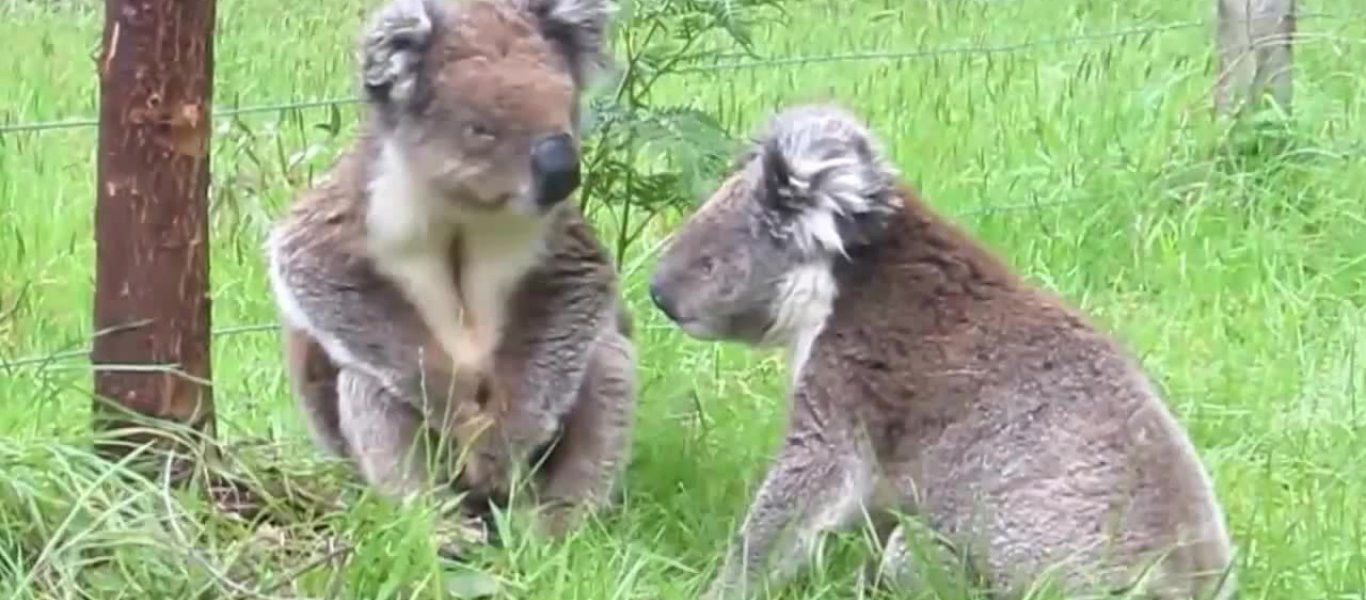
410, 231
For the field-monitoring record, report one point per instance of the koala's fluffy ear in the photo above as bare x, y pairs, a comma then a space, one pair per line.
779, 190
579, 28
392, 48
822, 172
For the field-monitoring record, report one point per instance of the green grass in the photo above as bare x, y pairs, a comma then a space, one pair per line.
1237, 273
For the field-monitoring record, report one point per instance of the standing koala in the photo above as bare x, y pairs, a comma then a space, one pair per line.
437, 284
930, 380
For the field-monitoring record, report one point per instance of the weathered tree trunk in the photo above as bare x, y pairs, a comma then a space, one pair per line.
151, 220
1255, 41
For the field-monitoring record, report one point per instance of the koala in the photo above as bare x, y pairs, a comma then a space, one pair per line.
441, 301
929, 381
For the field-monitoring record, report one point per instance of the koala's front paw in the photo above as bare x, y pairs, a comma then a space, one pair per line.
472, 354
485, 473
467, 405
471, 392
453, 399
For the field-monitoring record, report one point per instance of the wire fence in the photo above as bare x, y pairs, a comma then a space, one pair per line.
742, 64
731, 62
60, 360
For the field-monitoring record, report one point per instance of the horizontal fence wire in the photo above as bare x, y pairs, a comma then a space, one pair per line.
57, 360
86, 122
46, 360
898, 55
733, 64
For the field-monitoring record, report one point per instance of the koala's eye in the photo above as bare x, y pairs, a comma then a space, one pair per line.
480, 131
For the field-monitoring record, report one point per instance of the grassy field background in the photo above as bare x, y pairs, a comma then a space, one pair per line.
1238, 274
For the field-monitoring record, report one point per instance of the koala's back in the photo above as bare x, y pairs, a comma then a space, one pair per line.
1068, 459
1017, 428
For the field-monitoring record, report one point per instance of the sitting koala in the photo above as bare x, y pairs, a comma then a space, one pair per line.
449, 315
930, 380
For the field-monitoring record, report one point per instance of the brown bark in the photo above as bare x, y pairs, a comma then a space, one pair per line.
151, 216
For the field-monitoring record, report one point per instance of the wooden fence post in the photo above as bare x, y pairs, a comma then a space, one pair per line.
151, 313
1255, 41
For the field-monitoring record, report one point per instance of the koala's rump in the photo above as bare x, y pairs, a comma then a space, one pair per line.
1089, 486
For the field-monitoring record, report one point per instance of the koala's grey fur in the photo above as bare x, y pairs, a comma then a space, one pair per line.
930, 380
458, 95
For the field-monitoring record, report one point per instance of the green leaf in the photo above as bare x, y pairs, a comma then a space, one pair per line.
655, 157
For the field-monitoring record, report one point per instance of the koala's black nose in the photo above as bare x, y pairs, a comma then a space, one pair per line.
555, 167
662, 302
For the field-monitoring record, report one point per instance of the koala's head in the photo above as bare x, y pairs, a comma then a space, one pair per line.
479, 99
754, 263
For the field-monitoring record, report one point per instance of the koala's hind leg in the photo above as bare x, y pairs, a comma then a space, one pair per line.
582, 471
386, 436
813, 488
314, 380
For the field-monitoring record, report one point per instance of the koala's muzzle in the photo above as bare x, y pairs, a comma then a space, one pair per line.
555, 167
662, 301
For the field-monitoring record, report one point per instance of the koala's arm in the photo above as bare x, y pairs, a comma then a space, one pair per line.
558, 318
817, 483
332, 292
429, 284
583, 470
427, 281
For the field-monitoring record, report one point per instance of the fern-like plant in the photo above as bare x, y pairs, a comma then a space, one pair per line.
641, 157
